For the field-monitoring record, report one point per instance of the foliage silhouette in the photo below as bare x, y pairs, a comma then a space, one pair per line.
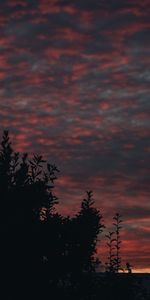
46, 250
26, 192
117, 260
128, 267
110, 244
89, 222
44, 254
113, 265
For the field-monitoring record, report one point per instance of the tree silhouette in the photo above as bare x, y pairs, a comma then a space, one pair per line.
42, 252
117, 260
128, 267
89, 227
26, 195
41, 245
110, 244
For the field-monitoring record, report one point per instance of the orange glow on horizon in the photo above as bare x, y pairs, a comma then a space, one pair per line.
142, 270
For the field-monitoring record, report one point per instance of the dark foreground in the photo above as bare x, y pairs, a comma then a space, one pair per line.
98, 286
126, 286
44, 255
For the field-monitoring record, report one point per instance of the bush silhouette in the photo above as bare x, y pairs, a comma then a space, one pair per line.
44, 254
41, 249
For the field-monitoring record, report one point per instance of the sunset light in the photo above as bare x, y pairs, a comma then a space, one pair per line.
74, 88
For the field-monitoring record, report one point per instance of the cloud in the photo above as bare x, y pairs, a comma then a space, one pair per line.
74, 86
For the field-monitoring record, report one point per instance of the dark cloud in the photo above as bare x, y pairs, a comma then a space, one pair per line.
75, 76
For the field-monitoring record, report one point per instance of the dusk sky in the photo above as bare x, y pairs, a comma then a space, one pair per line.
74, 87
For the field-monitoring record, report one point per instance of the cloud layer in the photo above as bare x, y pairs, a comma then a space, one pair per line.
74, 86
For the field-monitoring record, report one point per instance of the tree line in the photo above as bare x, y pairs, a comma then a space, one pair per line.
42, 252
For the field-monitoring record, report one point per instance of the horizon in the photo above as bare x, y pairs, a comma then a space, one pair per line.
74, 87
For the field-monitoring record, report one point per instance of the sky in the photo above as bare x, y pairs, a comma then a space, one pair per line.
74, 87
